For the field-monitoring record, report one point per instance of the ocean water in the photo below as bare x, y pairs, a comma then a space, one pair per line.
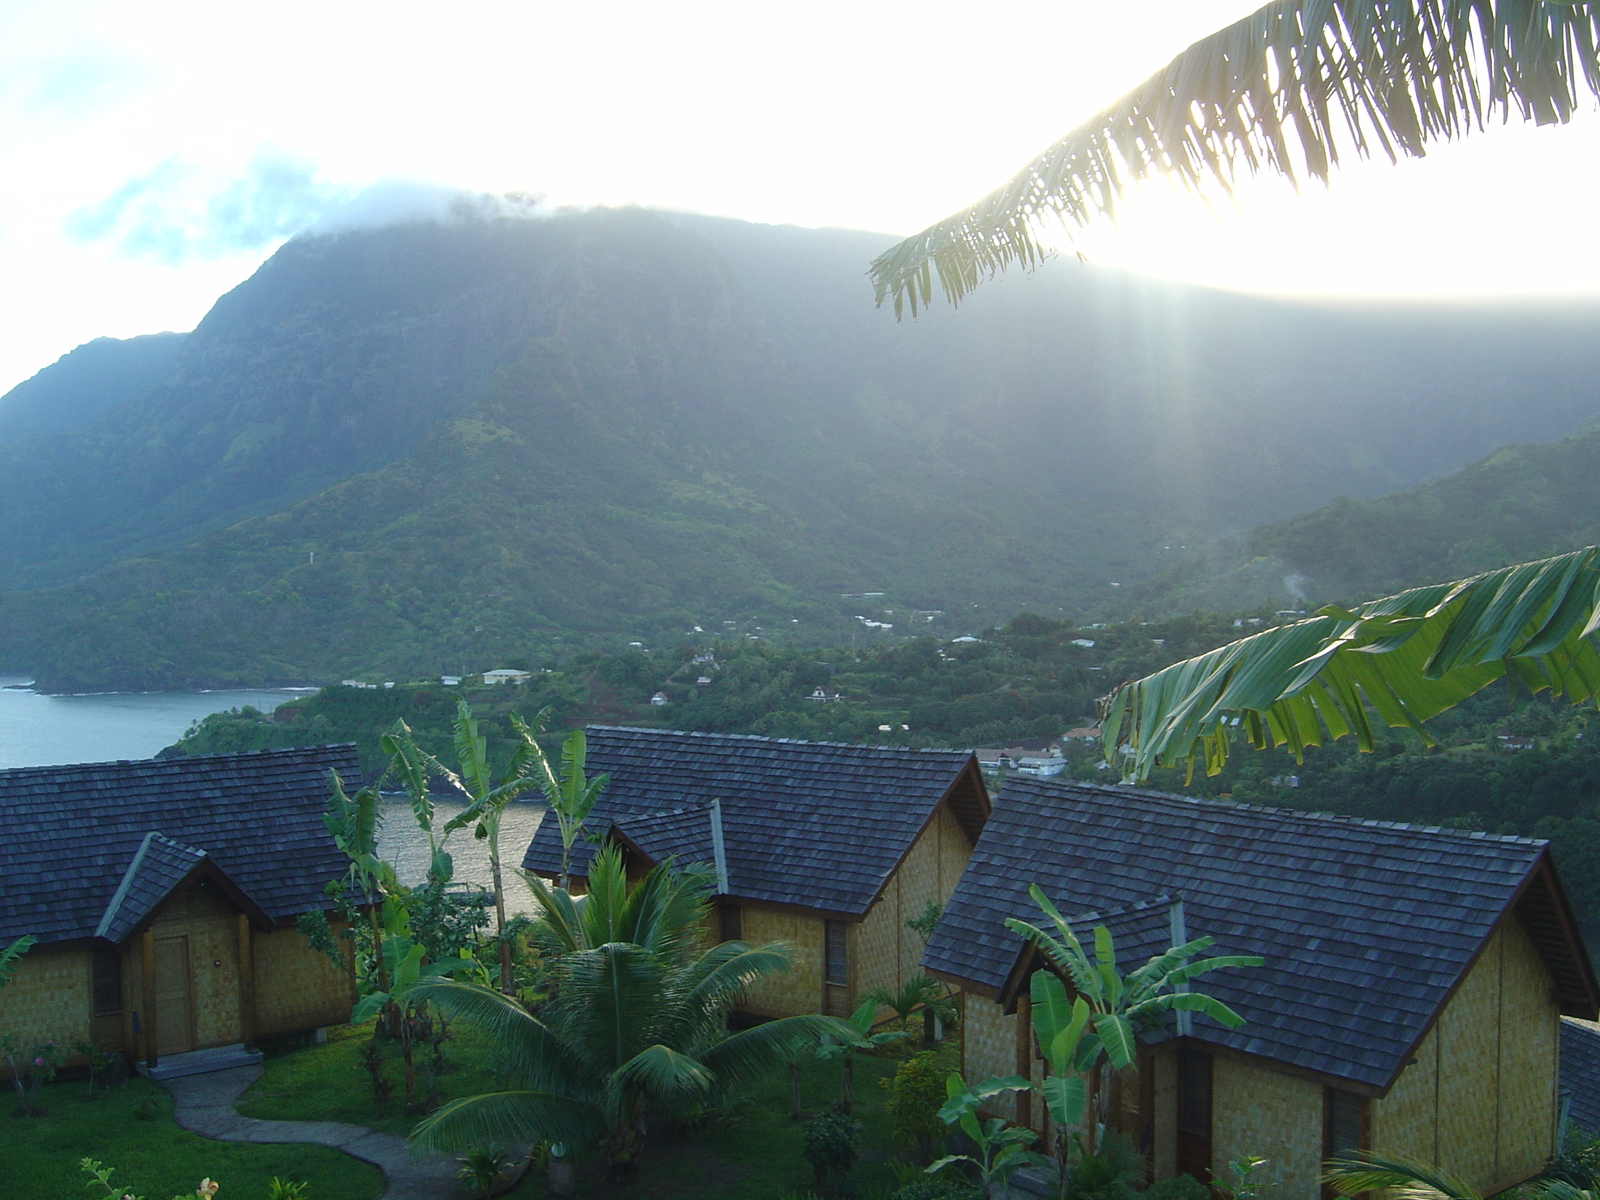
402, 843
41, 731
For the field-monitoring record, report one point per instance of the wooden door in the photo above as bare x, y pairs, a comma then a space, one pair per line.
1194, 1114
174, 996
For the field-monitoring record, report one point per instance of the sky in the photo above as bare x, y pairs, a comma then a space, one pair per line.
157, 152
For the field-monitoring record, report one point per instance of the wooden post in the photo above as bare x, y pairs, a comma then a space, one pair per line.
147, 993
247, 983
1025, 1059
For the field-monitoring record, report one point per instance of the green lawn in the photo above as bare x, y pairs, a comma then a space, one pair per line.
131, 1128
752, 1153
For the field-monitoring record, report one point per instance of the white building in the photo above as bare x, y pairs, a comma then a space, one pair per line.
506, 675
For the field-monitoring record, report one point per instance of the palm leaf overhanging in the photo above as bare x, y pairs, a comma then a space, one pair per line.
1395, 661
1280, 91
1403, 1177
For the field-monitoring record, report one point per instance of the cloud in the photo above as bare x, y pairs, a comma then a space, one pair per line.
403, 202
179, 212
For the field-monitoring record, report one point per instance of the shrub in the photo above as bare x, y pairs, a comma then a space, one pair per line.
1179, 1187
831, 1142
1111, 1172
935, 1189
1579, 1163
916, 1093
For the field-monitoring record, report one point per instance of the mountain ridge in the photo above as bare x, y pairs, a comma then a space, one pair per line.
417, 448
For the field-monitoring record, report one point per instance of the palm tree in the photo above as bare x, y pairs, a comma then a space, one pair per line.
1395, 661
1280, 91
635, 1025
1407, 1178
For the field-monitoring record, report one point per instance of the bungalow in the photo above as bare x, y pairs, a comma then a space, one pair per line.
507, 675
163, 895
829, 848
1410, 1001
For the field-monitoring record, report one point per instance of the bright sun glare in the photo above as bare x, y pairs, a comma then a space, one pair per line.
157, 153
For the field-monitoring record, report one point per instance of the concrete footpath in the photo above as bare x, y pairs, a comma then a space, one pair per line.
203, 1104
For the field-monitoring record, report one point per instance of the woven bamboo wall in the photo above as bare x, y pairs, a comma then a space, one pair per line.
1479, 1097
799, 990
989, 1048
48, 997
889, 953
1256, 1110
296, 986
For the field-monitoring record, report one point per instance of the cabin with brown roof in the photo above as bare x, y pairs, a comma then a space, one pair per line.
164, 895
1411, 998
829, 848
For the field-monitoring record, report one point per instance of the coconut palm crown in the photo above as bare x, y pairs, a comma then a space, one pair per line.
635, 1024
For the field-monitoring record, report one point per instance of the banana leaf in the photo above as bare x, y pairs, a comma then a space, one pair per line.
1394, 661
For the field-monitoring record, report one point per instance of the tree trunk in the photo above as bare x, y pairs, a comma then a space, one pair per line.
1091, 1110
405, 1054
507, 983
847, 1081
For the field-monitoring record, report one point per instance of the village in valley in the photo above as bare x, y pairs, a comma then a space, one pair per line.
1203, 803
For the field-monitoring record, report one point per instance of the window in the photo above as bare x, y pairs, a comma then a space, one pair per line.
732, 923
105, 977
836, 953
1342, 1122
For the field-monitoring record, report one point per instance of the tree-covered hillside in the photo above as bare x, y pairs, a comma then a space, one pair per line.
408, 450
1520, 503
84, 385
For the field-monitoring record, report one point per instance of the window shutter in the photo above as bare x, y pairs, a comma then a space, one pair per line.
836, 961
106, 981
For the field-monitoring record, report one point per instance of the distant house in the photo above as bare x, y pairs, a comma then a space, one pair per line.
1085, 733
450, 680
658, 700
507, 675
824, 694
1041, 765
703, 681
1410, 1000
164, 895
829, 848
1514, 741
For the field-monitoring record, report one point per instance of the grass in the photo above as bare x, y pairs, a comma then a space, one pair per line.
753, 1151
131, 1128
330, 1082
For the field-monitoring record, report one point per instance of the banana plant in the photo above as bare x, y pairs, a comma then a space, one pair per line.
486, 798
401, 970
1096, 1026
572, 797
1002, 1149
11, 955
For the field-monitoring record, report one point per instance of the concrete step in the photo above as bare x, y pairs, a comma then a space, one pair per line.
201, 1062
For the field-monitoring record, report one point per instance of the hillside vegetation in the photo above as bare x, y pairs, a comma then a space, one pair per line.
1520, 503
410, 450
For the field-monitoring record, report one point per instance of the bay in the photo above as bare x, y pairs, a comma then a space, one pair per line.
403, 845
40, 731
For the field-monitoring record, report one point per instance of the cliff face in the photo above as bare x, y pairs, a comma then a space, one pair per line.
500, 436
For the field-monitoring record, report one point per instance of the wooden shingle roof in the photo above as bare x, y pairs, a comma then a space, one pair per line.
1366, 927
815, 825
1580, 1075
73, 834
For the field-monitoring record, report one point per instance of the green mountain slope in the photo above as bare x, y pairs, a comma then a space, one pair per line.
84, 385
1521, 502
422, 448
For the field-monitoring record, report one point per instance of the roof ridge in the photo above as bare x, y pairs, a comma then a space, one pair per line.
1136, 906
772, 741
173, 762
108, 918
1275, 810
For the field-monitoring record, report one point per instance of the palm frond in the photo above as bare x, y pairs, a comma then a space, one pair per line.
1279, 91
522, 1118
747, 1055
526, 1049
1411, 1178
1403, 659
609, 998
664, 1074
12, 955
